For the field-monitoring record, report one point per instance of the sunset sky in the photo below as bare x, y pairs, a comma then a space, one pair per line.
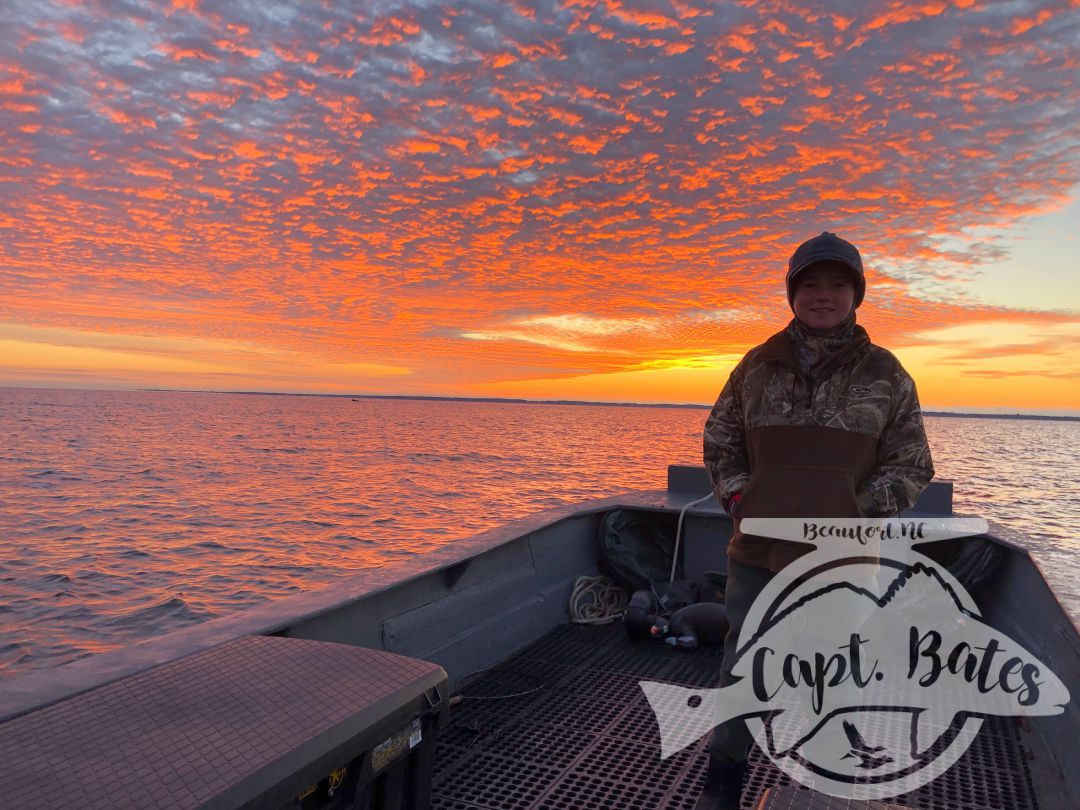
553, 200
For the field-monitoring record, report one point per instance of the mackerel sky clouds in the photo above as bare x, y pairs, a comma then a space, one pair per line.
539, 199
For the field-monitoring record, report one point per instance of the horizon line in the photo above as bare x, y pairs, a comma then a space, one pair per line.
524, 401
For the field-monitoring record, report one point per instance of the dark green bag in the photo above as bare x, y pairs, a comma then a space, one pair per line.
636, 547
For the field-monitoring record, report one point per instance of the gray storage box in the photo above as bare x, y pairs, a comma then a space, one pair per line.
255, 722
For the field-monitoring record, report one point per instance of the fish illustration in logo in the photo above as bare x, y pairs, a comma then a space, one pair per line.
866, 682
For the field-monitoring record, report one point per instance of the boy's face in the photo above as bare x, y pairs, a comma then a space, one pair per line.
824, 293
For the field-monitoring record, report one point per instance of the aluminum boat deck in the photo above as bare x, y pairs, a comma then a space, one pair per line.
563, 725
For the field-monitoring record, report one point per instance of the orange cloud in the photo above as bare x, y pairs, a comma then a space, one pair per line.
481, 193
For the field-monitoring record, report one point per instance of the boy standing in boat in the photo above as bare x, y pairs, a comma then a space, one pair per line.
815, 422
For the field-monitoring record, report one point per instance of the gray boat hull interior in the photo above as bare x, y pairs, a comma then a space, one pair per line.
481, 600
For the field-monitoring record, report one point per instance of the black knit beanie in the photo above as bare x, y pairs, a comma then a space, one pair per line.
828, 247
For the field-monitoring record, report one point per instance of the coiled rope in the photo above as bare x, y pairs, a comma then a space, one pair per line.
597, 600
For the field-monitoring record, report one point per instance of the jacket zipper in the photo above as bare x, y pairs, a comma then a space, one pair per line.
810, 389
808, 385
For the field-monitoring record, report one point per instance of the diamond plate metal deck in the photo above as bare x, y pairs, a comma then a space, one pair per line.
217, 727
579, 734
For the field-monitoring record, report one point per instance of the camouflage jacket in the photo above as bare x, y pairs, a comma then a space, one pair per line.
847, 443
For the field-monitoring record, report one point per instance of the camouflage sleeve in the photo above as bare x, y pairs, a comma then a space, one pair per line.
904, 465
726, 459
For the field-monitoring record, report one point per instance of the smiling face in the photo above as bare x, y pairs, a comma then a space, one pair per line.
824, 293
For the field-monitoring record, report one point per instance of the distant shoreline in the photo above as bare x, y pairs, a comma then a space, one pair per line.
520, 401
1037, 416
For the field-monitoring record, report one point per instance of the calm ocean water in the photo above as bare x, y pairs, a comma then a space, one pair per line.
124, 515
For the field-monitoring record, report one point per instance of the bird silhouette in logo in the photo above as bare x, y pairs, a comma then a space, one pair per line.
866, 753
